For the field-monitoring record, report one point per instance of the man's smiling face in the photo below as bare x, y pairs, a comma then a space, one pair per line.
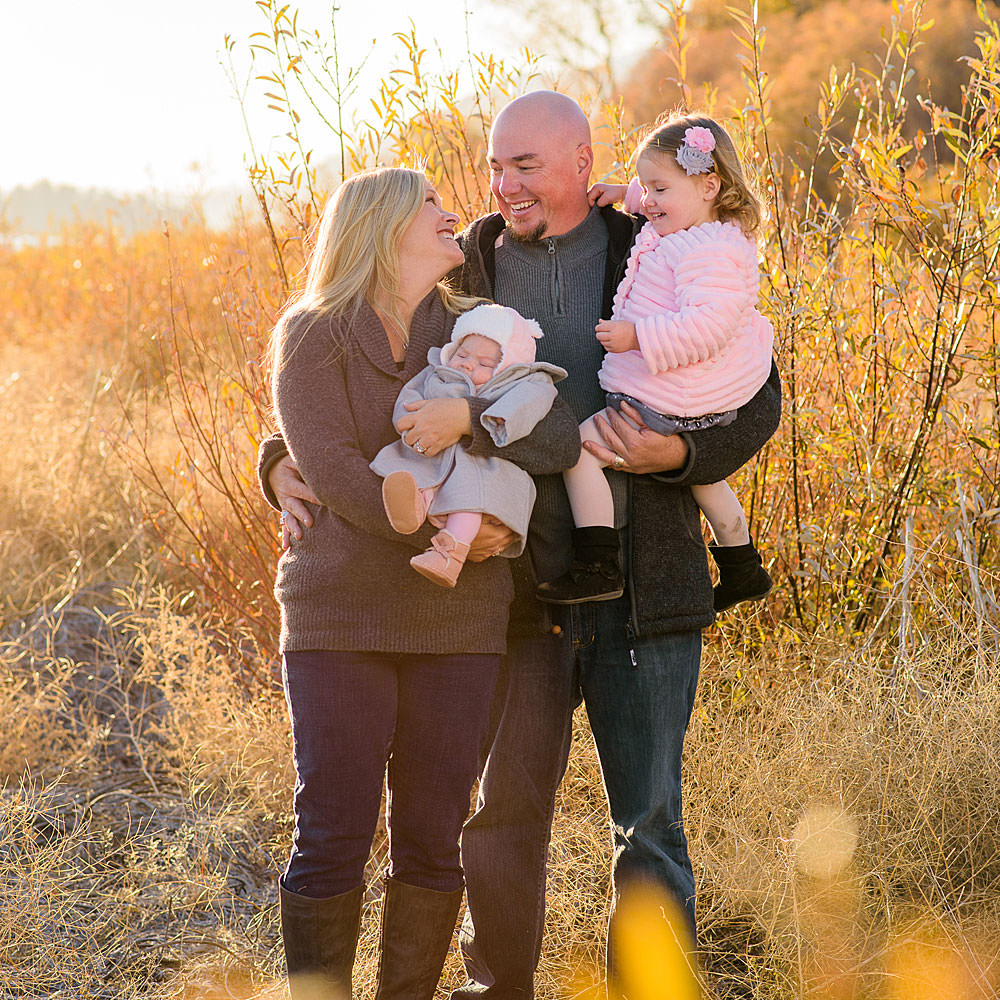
538, 175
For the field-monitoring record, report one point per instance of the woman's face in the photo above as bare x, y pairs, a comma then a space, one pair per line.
429, 240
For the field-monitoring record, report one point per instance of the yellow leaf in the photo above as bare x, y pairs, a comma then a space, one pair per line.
653, 950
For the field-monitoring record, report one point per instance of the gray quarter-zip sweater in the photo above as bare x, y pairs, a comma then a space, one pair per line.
559, 282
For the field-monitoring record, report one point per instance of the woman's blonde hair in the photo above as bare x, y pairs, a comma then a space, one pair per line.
737, 200
356, 254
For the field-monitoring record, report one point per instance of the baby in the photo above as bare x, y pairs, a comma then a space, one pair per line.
491, 354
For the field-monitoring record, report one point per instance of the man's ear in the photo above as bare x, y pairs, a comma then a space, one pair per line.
711, 187
584, 159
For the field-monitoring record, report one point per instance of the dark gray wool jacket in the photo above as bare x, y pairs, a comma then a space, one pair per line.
668, 579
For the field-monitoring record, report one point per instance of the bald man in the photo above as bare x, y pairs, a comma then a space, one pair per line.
634, 661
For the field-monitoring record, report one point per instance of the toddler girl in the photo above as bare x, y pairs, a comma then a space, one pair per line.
686, 345
491, 354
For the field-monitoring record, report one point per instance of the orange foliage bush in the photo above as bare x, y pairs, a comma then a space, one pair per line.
805, 46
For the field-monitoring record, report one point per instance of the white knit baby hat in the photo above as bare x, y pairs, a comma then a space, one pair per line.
515, 334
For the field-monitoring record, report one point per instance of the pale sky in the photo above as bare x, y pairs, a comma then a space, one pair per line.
127, 95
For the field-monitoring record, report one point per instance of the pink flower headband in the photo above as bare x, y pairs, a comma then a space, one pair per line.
695, 155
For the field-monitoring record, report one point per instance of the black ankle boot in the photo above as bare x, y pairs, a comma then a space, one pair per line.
320, 938
417, 925
741, 575
595, 573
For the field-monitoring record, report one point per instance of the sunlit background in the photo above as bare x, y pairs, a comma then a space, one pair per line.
135, 97
141, 98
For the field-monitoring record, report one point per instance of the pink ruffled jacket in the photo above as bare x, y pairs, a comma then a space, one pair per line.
704, 346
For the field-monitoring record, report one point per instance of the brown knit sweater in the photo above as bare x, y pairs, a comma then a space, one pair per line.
348, 583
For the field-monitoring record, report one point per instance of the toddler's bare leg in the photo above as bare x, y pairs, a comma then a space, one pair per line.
588, 489
724, 513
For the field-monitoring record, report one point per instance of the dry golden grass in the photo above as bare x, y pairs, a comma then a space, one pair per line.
834, 798
841, 816
65, 515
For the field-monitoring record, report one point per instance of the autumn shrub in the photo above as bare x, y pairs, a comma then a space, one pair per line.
103, 356
196, 483
808, 46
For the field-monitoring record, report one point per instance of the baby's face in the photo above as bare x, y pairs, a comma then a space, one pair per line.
478, 357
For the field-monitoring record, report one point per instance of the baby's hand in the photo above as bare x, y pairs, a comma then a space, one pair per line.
617, 335
606, 194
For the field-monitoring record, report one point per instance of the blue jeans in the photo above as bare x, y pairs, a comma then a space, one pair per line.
358, 717
638, 694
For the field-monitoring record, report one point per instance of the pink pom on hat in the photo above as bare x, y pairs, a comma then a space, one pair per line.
507, 327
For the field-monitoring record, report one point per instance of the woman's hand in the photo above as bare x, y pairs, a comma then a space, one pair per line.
640, 449
435, 424
492, 539
290, 491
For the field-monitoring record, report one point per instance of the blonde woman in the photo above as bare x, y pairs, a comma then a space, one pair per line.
387, 677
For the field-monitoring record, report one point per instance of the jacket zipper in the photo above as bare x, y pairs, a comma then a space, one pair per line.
631, 629
555, 274
630, 634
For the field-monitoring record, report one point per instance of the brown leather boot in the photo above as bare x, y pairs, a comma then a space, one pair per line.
417, 925
443, 561
320, 937
404, 503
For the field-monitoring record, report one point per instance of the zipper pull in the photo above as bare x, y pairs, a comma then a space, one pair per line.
630, 634
552, 245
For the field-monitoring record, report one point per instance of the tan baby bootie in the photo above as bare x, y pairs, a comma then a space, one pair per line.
443, 561
404, 503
